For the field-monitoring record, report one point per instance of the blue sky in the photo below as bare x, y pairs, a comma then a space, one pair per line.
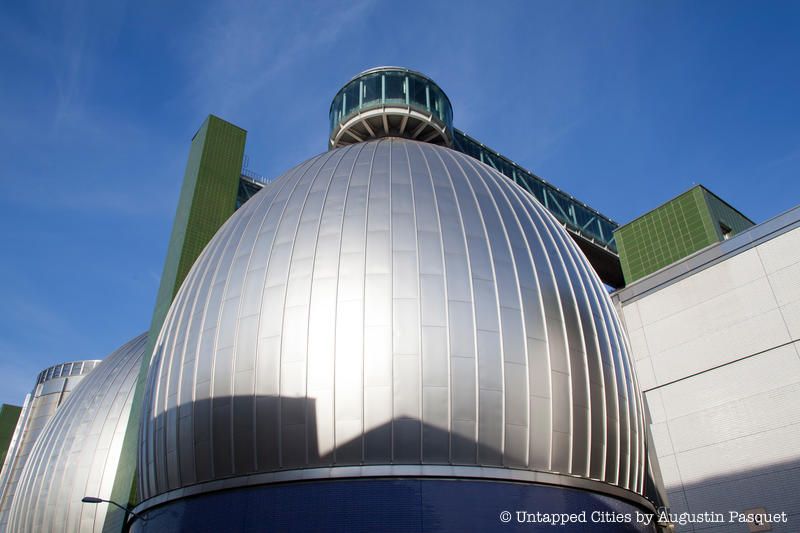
622, 104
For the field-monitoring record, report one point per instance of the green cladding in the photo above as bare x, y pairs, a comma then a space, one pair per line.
9, 414
675, 230
207, 200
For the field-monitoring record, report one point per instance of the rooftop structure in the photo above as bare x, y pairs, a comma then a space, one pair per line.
689, 222
715, 338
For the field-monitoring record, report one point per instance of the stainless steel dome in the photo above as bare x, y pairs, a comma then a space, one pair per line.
79, 449
391, 308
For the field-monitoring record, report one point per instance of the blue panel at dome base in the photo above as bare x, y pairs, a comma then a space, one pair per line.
393, 505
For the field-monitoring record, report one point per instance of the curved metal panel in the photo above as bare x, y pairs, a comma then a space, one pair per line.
53, 386
391, 303
78, 451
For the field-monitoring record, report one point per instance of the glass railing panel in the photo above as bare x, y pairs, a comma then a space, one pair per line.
418, 92
351, 99
394, 87
371, 90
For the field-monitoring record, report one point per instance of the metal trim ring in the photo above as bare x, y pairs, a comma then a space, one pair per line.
397, 471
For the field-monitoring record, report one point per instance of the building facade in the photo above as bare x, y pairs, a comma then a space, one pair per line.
716, 340
410, 330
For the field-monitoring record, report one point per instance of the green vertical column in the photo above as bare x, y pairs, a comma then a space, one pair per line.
207, 200
9, 415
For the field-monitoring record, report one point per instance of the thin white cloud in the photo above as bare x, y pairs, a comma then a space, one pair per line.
246, 47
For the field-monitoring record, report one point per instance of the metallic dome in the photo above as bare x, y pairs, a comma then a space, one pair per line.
391, 308
78, 451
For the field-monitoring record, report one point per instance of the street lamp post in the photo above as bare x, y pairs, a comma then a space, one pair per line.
126, 509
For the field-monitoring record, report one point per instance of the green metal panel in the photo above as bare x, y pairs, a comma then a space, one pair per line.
207, 200
723, 213
9, 415
673, 231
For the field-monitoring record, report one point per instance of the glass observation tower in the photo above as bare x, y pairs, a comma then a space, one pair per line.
391, 102
399, 102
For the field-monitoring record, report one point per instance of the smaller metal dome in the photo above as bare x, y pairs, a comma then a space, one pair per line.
79, 449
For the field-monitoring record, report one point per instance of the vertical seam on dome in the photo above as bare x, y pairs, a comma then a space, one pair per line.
633, 391
597, 295
252, 221
346, 152
364, 303
480, 211
619, 350
637, 401
157, 364
170, 341
474, 328
235, 223
118, 386
421, 388
266, 212
622, 480
208, 261
294, 177
563, 298
246, 219
591, 294
223, 236
578, 268
497, 282
562, 249
390, 142
327, 157
513, 208
520, 299
615, 354
611, 359
549, 274
448, 355
221, 241
121, 422
199, 271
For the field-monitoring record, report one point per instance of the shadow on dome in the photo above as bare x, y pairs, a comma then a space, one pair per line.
400, 476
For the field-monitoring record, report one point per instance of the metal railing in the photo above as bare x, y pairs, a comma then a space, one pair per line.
258, 178
574, 214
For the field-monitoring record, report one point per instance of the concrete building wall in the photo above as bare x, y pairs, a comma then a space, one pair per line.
716, 340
